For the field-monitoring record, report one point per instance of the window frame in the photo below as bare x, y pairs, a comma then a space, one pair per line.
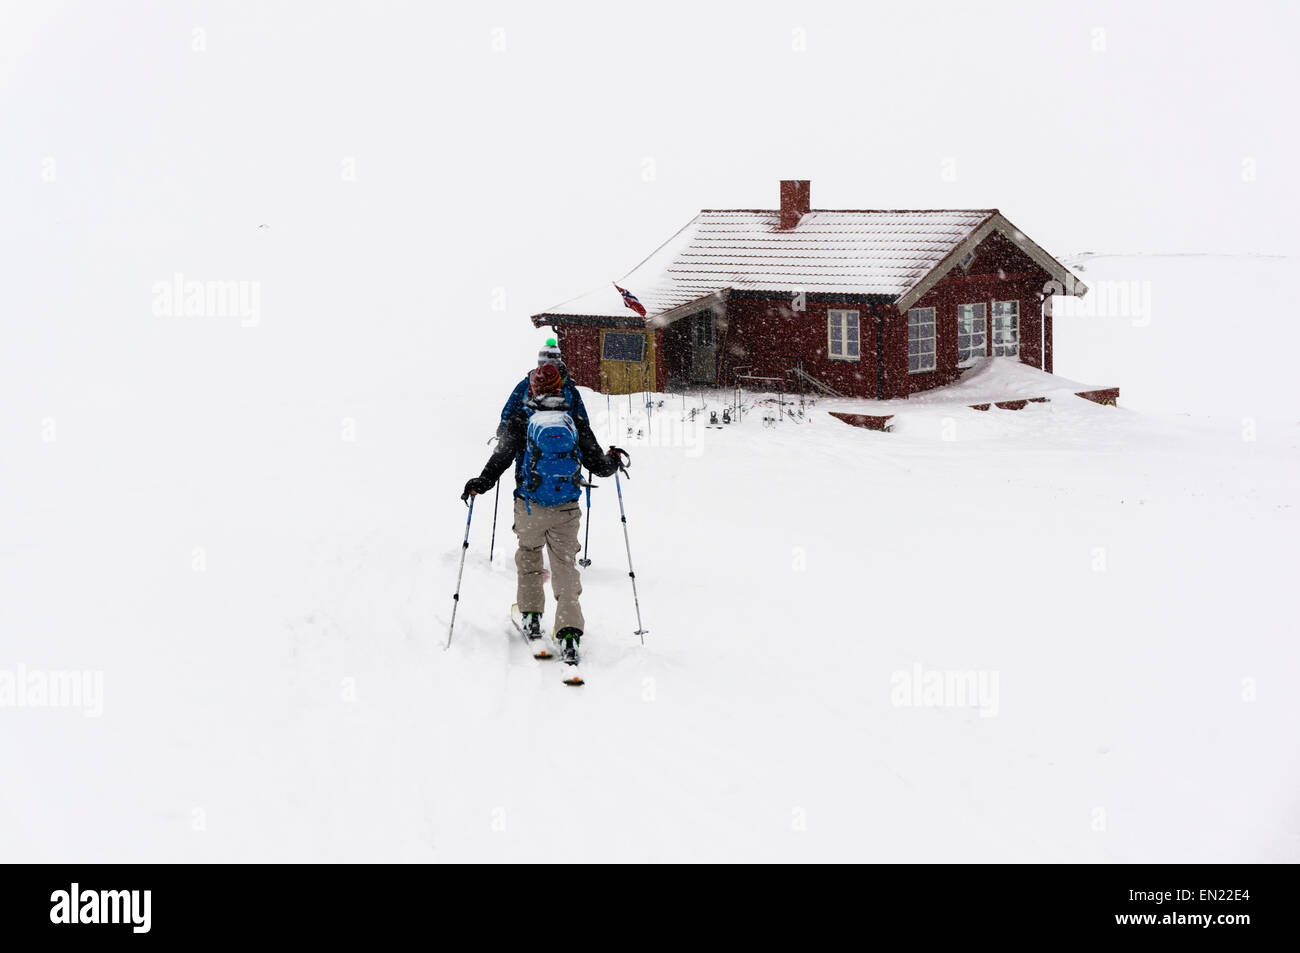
983, 333
843, 325
933, 338
623, 360
993, 317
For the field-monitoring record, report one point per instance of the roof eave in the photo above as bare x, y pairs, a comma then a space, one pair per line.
995, 221
588, 320
665, 318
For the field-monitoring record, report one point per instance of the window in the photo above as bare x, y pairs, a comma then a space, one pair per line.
623, 346
704, 329
842, 332
1006, 328
920, 340
971, 332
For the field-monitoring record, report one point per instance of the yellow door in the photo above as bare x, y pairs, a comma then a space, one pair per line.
627, 361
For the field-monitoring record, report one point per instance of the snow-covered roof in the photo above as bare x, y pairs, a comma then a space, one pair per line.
890, 253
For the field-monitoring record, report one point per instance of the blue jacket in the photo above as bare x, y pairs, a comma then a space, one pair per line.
520, 393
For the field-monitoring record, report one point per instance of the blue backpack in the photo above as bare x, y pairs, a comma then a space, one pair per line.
552, 465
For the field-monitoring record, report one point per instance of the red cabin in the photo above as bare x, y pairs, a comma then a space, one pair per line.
864, 303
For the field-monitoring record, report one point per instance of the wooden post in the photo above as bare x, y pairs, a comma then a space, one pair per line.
1047, 333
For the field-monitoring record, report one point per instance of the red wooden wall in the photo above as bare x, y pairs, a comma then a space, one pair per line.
944, 298
769, 336
580, 349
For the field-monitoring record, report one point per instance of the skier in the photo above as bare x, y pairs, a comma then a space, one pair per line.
550, 354
549, 444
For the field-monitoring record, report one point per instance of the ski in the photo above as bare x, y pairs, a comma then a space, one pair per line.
539, 651
574, 679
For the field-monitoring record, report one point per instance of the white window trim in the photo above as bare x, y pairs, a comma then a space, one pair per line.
992, 315
934, 354
970, 361
844, 334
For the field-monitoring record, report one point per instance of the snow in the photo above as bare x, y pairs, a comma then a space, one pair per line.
985, 380
297, 695
1200, 333
249, 525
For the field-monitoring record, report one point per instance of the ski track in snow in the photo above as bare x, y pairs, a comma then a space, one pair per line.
758, 714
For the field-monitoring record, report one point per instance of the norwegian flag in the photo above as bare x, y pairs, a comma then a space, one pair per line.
629, 300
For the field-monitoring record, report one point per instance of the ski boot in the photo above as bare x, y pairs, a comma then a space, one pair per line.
569, 637
532, 624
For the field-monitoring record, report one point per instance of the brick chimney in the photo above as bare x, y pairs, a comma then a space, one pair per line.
796, 200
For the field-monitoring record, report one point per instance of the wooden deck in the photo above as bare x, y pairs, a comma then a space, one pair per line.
1106, 396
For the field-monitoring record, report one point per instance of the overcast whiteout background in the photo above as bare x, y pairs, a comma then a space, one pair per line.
243, 528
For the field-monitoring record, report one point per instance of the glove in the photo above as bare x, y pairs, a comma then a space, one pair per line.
475, 485
618, 459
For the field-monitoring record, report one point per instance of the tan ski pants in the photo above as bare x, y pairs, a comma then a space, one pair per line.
556, 528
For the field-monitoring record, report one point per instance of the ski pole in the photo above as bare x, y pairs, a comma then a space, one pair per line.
464, 548
640, 630
495, 504
584, 562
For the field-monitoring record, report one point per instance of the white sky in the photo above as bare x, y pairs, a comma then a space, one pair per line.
526, 168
